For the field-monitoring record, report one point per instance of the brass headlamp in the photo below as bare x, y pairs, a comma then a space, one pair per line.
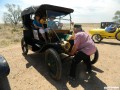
66, 46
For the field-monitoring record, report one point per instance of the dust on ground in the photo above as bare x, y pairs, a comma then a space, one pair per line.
30, 73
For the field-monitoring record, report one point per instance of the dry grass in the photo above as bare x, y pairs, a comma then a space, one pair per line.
9, 35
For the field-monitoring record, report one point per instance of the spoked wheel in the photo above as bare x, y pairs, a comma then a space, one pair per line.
117, 36
24, 46
94, 57
96, 38
53, 63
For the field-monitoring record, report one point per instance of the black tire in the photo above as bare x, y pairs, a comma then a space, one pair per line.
53, 63
4, 67
96, 38
94, 57
24, 46
117, 35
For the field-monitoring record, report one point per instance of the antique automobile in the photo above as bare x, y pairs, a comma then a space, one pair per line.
100, 33
58, 38
4, 67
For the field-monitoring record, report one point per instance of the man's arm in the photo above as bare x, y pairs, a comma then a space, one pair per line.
71, 37
34, 23
74, 50
36, 26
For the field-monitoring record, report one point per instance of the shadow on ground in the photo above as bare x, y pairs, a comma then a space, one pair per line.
4, 84
110, 43
87, 82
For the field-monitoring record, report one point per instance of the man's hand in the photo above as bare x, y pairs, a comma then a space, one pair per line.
71, 54
73, 51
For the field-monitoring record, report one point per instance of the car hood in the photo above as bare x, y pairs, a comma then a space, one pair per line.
97, 29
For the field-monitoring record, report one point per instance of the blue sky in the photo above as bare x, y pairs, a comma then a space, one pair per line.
85, 11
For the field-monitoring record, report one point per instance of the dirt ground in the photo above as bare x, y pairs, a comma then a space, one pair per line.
29, 72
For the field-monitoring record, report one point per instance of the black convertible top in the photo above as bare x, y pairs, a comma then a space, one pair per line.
42, 9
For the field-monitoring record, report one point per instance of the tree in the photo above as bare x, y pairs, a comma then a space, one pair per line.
116, 18
5, 19
13, 16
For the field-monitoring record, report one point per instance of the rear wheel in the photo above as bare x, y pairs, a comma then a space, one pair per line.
24, 46
94, 57
117, 36
53, 63
96, 38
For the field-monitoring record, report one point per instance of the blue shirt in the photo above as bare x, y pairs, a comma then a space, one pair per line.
109, 28
52, 25
35, 22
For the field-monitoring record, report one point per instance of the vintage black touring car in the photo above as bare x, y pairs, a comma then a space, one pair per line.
58, 38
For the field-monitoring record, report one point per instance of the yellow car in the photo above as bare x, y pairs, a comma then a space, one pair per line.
100, 33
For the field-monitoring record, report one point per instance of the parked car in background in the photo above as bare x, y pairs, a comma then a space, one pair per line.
99, 34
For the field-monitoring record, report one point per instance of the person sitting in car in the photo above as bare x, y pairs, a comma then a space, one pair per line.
39, 24
111, 28
52, 24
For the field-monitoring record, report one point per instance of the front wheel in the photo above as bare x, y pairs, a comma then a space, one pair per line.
24, 46
53, 63
117, 35
96, 38
94, 57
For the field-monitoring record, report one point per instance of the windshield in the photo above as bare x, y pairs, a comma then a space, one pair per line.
61, 19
